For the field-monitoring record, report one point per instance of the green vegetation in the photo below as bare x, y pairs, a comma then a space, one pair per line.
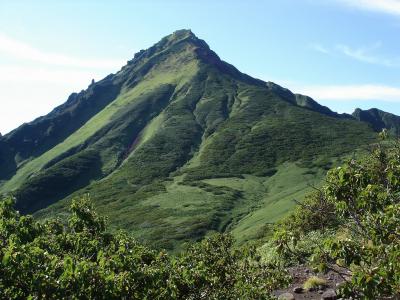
58, 180
356, 217
350, 225
266, 199
80, 260
139, 195
314, 282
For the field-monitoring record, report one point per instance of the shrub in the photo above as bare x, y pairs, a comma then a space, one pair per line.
360, 202
80, 260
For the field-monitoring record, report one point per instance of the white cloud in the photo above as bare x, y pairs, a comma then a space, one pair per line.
364, 54
22, 51
351, 92
29, 92
385, 6
24, 102
33, 82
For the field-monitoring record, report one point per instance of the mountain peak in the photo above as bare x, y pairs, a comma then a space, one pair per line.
181, 34
186, 44
169, 42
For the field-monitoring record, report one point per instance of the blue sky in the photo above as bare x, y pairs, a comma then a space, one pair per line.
343, 53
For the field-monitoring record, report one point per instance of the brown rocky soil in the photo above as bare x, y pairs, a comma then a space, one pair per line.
300, 274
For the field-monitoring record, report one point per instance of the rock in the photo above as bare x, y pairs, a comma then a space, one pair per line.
286, 296
298, 289
320, 292
329, 295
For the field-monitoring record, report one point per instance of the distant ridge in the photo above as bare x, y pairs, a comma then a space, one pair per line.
379, 119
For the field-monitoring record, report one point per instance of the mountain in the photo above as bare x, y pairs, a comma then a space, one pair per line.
178, 144
379, 119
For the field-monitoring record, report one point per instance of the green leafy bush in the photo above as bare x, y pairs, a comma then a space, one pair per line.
81, 260
360, 202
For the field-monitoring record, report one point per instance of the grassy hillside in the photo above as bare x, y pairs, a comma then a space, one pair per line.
188, 146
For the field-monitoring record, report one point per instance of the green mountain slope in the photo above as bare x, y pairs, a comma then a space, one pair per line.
179, 145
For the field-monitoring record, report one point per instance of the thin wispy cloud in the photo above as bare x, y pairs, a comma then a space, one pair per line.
23, 51
365, 54
358, 54
319, 48
384, 6
351, 92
